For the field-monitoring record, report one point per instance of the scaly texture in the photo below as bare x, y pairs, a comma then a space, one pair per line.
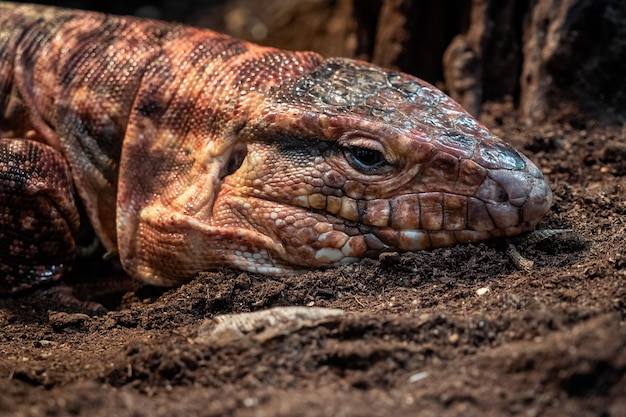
191, 150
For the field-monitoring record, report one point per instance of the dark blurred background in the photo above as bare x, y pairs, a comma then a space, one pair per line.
539, 55
421, 29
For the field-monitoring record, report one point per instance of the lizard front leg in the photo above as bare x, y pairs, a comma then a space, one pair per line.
38, 215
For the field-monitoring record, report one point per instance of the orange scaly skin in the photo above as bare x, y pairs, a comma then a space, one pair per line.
190, 150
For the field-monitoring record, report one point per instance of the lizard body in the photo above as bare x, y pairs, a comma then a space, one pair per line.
191, 150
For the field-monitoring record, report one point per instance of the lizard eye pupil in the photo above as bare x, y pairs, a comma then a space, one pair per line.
365, 159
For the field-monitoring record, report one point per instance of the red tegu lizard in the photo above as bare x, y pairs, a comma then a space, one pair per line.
187, 150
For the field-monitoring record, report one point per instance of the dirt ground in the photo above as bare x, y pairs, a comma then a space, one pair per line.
455, 331
451, 332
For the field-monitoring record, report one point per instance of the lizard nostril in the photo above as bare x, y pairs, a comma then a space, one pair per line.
501, 195
495, 191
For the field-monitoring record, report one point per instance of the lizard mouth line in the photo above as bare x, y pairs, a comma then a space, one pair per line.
428, 211
323, 230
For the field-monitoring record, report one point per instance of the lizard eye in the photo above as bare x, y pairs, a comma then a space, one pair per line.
365, 159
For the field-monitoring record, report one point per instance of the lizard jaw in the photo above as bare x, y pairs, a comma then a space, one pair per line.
315, 237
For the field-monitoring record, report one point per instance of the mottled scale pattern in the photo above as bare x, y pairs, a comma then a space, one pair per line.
37, 214
190, 150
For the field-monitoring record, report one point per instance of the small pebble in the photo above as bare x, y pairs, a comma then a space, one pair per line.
61, 321
418, 376
482, 291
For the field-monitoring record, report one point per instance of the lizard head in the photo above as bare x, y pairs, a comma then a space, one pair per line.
351, 160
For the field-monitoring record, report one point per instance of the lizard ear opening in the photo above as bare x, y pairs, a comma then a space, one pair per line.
235, 160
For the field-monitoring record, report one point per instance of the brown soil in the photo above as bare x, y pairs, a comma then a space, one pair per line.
418, 337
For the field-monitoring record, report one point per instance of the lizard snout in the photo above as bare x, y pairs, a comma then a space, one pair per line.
515, 199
